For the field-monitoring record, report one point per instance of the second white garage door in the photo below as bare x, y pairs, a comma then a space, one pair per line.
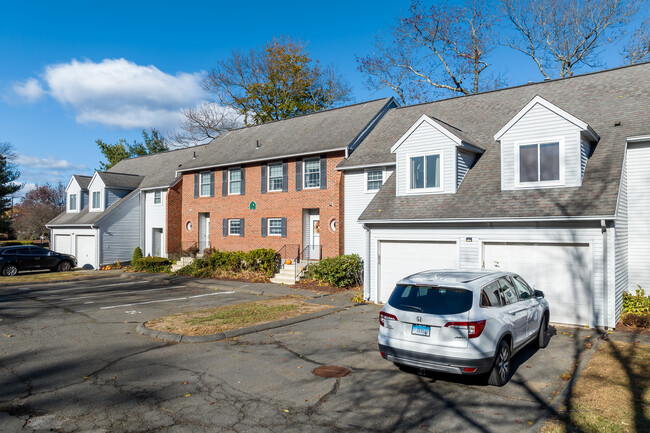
85, 251
561, 271
401, 259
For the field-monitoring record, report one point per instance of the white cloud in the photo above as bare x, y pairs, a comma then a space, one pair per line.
50, 163
117, 92
29, 90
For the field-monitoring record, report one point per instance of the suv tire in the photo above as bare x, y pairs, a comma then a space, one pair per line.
500, 373
542, 335
10, 270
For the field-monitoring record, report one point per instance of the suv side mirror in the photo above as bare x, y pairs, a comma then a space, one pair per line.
539, 294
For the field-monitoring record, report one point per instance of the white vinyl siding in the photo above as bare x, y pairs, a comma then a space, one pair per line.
120, 232
541, 125
464, 162
638, 211
154, 218
356, 199
621, 246
426, 140
585, 150
542, 233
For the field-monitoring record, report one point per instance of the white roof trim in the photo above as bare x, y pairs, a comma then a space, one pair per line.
93, 180
476, 220
356, 167
70, 182
426, 119
638, 138
555, 109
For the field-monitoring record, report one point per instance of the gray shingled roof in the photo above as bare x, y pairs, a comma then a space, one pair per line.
120, 180
82, 180
598, 99
323, 131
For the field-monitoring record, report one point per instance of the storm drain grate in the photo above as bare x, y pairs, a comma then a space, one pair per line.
331, 371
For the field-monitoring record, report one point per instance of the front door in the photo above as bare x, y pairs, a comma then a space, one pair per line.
204, 231
314, 237
156, 242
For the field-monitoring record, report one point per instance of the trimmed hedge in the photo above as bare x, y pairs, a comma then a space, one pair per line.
638, 304
151, 264
260, 260
137, 253
16, 243
341, 271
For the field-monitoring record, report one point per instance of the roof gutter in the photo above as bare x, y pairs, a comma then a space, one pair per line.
356, 167
490, 220
269, 158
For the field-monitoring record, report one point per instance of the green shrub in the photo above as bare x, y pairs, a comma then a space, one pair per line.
151, 264
342, 271
637, 304
137, 253
260, 260
15, 243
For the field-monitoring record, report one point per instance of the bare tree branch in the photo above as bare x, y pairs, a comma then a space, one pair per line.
637, 49
204, 123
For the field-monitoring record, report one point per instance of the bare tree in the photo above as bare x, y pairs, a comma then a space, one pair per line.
637, 49
36, 208
565, 34
437, 50
204, 123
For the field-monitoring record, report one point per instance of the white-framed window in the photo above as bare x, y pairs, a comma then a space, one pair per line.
311, 173
234, 227
234, 181
374, 179
539, 164
157, 197
275, 177
425, 172
275, 226
72, 203
204, 184
97, 202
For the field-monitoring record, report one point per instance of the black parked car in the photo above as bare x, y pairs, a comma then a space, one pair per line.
28, 258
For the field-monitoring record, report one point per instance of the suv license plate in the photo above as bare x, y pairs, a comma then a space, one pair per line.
421, 330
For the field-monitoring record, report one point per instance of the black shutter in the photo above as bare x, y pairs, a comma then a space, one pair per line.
225, 227
263, 186
263, 227
323, 172
285, 175
211, 183
241, 227
298, 175
243, 181
196, 185
284, 227
224, 182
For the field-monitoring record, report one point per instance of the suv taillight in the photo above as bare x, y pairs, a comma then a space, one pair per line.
474, 329
385, 316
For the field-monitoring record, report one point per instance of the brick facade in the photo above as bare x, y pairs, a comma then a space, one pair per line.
276, 204
174, 218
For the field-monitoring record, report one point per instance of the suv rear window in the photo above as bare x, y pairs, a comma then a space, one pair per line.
431, 300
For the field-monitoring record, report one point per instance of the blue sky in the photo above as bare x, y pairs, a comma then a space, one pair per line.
75, 71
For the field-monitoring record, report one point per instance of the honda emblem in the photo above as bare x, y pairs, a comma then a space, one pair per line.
419, 318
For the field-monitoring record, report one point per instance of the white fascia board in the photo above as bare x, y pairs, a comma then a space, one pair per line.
426, 119
56, 226
555, 109
358, 167
638, 138
151, 188
271, 158
489, 220
95, 176
72, 179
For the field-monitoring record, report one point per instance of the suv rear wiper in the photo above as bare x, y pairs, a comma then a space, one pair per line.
412, 307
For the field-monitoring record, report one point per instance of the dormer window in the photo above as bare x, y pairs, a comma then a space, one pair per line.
72, 205
539, 163
96, 201
425, 172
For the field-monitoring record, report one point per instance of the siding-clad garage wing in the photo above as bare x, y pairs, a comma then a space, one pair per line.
561, 271
638, 211
62, 244
401, 259
85, 251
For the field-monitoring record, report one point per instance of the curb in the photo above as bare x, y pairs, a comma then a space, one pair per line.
177, 338
71, 280
553, 406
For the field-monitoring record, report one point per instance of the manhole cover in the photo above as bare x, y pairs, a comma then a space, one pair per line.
330, 371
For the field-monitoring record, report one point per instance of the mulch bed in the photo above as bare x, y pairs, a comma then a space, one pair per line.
631, 329
317, 286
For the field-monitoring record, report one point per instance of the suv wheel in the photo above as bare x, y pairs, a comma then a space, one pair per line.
64, 266
500, 373
542, 335
10, 270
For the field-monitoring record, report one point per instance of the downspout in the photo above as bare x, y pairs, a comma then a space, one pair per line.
603, 229
366, 270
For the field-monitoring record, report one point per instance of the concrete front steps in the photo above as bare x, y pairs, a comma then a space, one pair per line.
184, 261
287, 275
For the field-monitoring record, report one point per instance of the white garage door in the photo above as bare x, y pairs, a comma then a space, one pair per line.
401, 259
62, 244
85, 251
561, 271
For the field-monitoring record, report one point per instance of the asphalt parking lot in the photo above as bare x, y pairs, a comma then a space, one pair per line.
75, 363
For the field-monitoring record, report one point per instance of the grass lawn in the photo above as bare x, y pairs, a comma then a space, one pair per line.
42, 276
212, 321
612, 394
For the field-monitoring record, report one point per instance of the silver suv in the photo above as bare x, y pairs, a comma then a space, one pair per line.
462, 322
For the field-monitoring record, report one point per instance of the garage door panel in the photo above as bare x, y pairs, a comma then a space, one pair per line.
561, 271
62, 244
85, 251
401, 259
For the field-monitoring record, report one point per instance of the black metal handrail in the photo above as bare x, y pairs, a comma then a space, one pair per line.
306, 254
